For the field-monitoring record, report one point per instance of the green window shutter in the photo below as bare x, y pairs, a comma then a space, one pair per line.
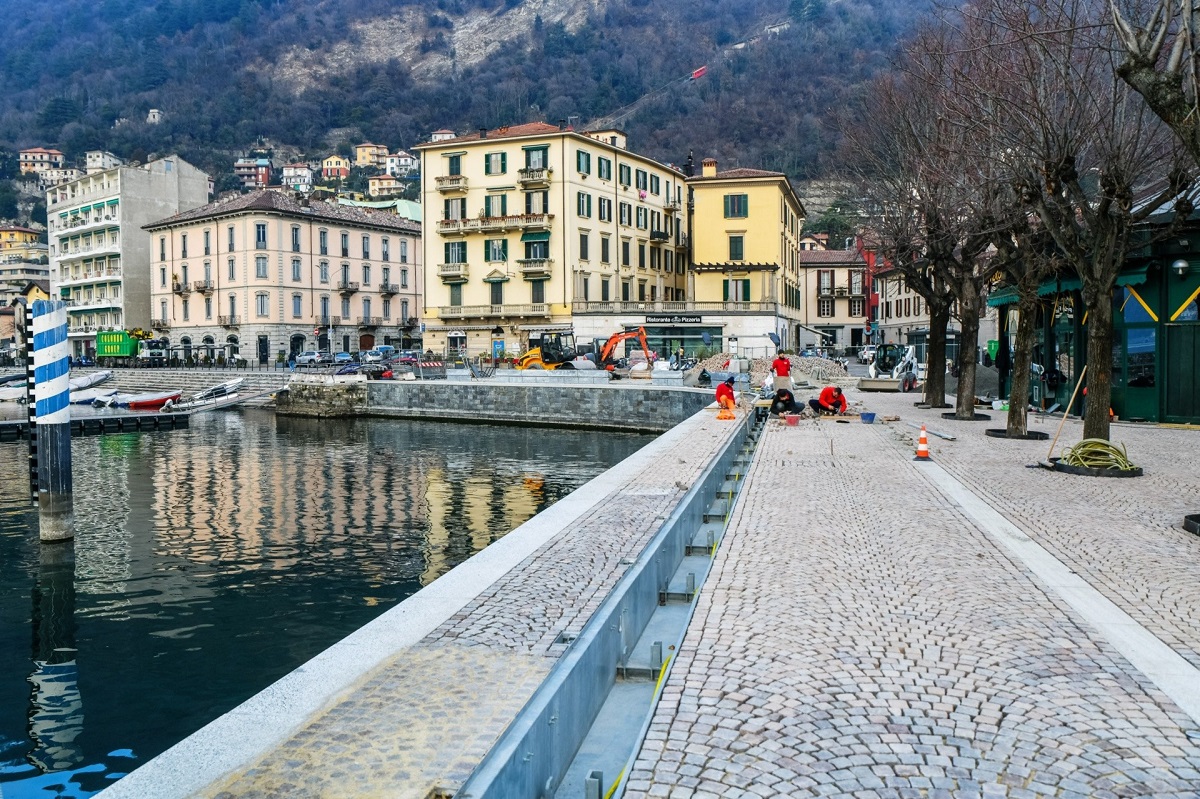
504, 249
503, 162
725, 290
745, 291
447, 253
745, 205
726, 206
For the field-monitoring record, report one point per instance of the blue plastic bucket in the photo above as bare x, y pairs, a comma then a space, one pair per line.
868, 418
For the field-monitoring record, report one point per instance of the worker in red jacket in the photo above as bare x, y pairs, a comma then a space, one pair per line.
782, 367
725, 400
831, 401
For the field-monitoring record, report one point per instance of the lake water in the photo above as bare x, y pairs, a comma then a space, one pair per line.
211, 561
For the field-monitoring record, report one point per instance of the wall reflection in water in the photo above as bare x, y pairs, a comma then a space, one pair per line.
209, 562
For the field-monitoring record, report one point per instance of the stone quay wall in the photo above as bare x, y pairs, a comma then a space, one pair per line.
640, 408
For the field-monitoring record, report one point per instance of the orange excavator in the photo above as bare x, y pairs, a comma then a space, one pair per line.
606, 351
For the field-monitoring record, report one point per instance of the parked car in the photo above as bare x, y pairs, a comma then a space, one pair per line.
387, 351
866, 354
408, 357
342, 357
308, 358
84, 360
325, 357
372, 356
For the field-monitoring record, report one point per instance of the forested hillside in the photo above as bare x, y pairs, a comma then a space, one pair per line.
312, 75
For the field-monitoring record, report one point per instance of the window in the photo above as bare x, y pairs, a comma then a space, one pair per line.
366, 307
366, 242
208, 242
605, 249
641, 255
736, 206
455, 208
604, 296
260, 235
495, 205
233, 305
537, 291
387, 308
261, 301
456, 252
537, 250
162, 276
497, 293
536, 202
604, 168
907, 307
641, 179
736, 249
857, 306
403, 251
642, 218
403, 278
260, 267
536, 158
185, 310
583, 246
366, 275
856, 282
295, 238
296, 270
655, 258
162, 307
625, 174
625, 252
230, 248
183, 245
346, 245
495, 164
824, 281
736, 290
385, 250
626, 211
208, 271
404, 310
346, 307
456, 294
323, 271
495, 250
323, 242
208, 307
825, 307
583, 162
232, 270
297, 303
162, 248
324, 309
641, 291
916, 306
583, 204
655, 184
605, 209
624, 291
584, 285
453, 165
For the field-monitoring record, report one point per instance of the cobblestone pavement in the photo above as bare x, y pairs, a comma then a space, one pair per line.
860, 636
424, 720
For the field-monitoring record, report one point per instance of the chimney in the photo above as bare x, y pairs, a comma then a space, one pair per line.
562, 124
689, 166
483, 133
708, 168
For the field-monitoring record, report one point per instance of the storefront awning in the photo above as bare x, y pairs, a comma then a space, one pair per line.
539, 236
1007, 295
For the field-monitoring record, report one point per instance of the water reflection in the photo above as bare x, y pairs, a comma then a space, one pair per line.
209, 562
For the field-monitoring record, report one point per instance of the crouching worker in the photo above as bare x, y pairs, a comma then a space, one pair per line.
830, 402
725, 400
784, 402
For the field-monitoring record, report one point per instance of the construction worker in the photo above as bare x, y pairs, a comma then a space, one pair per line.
784, 402
725, 400
830, 402
782, 367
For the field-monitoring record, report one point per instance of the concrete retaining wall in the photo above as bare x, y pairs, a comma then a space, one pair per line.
630, 407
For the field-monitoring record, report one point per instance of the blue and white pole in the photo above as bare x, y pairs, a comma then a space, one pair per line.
50, 419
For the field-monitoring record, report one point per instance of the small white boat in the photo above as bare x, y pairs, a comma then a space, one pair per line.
88, 396
12, 392
209, 396
139, 402
89, 380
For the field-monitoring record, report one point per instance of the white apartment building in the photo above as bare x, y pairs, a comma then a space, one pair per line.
100, 160
400, 164
298, 177
267, 274
99, 254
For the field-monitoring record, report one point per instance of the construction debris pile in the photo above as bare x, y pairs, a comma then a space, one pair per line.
818, 368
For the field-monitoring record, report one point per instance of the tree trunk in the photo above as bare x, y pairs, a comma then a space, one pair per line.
1099, 367
1018, 397
935, 361
968, 343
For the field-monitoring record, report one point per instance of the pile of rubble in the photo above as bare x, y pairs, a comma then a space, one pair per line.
817, 368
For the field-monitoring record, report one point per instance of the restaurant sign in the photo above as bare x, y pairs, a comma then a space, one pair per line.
666, 319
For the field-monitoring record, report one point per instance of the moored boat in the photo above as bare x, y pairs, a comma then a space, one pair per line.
209, 396
139, 402
88, 396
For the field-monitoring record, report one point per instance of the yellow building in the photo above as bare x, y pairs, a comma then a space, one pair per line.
15, 239
370, 155
745, 277
335, 166
536, 227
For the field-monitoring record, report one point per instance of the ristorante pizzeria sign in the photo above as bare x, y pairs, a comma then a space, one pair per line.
665, 319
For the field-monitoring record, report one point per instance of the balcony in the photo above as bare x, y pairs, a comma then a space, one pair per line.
205, 287
336, 320
671, 207
229, 321
93, 275
324, 321
370, 321
160, 324
181, 288
534, 221
674, 307
840, 291
80, 224
388, 289
534, 178
346, 287
535, 267
451, 183
492, 224
452, 272
81, 330
659, 235
451, 226
494, 311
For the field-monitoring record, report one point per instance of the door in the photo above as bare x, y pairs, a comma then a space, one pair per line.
366, 342
1181, 365
264, 349
1141, 384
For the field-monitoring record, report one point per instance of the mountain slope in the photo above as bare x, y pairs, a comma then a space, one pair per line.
310, 76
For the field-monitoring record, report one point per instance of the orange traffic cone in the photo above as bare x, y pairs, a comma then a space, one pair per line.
922, 447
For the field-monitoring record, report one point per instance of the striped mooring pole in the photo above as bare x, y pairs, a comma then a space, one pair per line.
48, 364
